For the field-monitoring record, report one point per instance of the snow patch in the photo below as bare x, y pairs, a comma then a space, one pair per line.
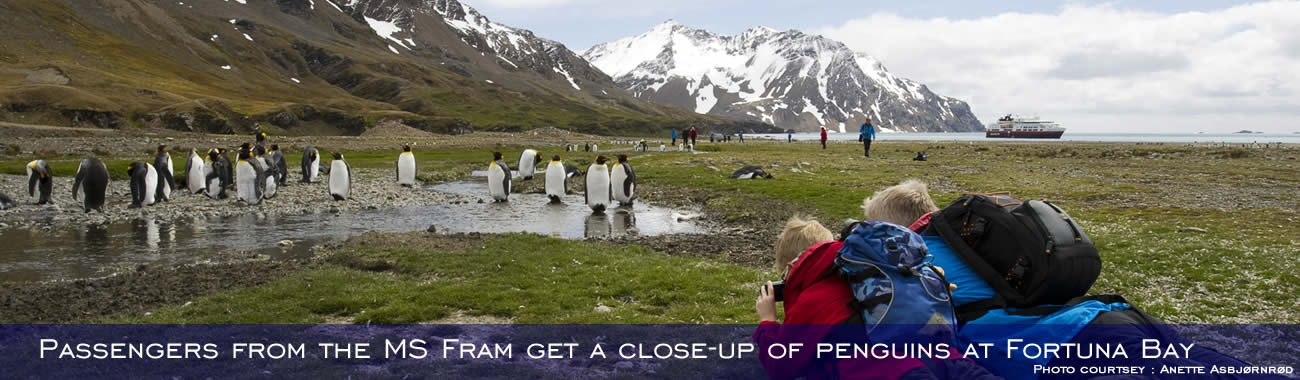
247, 37
565, 73
295, 80
704, 99
393, 49
225, 67
387, 29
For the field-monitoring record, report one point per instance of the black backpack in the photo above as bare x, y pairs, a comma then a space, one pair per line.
1030, 252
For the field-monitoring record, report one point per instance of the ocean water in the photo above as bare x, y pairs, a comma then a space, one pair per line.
1233, 138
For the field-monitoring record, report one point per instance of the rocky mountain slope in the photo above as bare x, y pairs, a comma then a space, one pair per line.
788, 78
303, 67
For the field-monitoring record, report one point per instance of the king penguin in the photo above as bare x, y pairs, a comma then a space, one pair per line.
623, 181
310, 165
216, 179
162, 163
281, 166
248, 174
266, 172
196, 173
6, 202
144, 182
40, 181
498, 179
340, 178
527, 164
556, 184
90, 185
598, 186
406, 167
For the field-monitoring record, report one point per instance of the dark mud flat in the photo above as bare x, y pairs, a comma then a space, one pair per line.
134, 292
74, 251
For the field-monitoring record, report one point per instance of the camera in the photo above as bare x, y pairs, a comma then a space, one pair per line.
778, 290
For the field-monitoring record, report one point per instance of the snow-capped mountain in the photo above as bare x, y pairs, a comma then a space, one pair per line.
399, 22
307, 67
788, 78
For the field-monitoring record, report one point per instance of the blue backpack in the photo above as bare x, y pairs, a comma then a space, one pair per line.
893, 282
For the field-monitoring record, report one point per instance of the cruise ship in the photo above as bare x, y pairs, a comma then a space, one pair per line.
1012, 126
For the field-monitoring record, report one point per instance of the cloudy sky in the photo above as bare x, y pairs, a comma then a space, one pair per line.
1117, 66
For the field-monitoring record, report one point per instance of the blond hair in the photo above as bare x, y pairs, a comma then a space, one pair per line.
900, 204
796, 237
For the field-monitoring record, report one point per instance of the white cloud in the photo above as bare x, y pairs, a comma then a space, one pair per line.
1102, 68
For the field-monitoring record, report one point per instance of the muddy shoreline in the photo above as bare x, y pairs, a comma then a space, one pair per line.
372, 189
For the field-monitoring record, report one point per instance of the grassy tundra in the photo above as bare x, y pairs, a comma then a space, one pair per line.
1136, 201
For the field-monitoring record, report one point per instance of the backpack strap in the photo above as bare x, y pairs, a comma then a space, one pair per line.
946, 230
974, 310
1049, 309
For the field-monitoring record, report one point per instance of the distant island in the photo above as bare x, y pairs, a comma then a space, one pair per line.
1247, 131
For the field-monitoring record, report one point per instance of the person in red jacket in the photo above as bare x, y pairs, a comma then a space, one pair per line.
693, 134
816, 302
823, 137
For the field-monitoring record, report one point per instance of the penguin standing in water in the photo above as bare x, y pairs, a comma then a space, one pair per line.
556, 176
162, 163
340, 178
196, 173
281, 165
144, 182
406, 167
498, 179
310, 165
248, 175
90, 185
40, 181
217, 175
528, 164
623, 181
598, 186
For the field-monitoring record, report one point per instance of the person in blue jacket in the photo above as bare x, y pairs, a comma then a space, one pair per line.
1093, 320
674, 137
866, 134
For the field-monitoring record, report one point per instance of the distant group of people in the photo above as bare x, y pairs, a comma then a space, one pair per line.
688, 136
866, 134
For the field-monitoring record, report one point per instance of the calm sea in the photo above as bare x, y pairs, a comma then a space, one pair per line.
1069, 136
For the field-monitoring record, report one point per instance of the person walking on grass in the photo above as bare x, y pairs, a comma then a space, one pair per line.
823, 138
674, 136
693, 135
866, 134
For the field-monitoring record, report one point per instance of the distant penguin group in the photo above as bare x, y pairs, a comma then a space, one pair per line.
605, 185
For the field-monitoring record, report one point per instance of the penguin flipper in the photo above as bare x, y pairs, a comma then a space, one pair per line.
31, 182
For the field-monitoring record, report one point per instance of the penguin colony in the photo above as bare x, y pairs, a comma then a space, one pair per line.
257, 173
254, 176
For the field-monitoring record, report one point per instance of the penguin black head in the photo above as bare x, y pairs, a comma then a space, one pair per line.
261, 136
622, 158
496, 156
162, 148
245, 154
406, 148
275, 147
212, 154
337, 155
555, 158
600, 160
245, 146
259, 150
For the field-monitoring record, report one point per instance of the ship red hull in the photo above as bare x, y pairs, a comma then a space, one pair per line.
1024, 135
